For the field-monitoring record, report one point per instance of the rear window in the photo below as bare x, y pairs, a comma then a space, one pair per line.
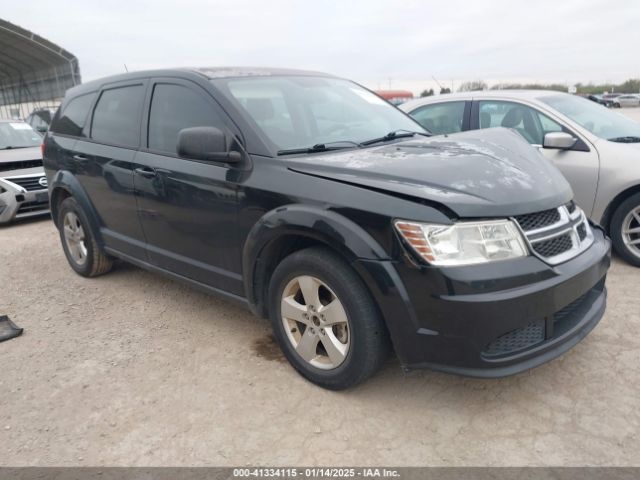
71, 120
116, 118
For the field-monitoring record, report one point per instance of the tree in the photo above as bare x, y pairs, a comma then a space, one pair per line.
426, 93
445, 90
473, 86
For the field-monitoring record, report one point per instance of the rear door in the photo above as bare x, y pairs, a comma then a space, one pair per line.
104, 164
187, 207
579, 165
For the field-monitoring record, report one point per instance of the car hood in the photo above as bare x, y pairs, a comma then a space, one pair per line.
484, 173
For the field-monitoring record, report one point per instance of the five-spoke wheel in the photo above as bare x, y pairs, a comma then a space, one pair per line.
325, 319
315, 322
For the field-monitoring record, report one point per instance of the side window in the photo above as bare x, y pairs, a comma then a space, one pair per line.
441, 118
116, 118
174, 107
71, 120
548, 125
529, 122
38, 123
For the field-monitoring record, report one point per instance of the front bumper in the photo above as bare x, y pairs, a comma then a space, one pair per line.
17, 202
492, 320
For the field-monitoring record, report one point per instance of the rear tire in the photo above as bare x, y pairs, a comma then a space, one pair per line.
625, 230
78, 241
336, 338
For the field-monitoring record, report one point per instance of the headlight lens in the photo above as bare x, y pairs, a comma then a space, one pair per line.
464, 243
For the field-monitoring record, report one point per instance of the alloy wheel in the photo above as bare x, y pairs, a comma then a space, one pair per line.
74, 238
631, 231
315, 322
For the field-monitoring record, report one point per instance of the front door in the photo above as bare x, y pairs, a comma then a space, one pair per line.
187, 208
579, 165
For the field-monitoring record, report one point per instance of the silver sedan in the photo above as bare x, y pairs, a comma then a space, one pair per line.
626, 101
597, 150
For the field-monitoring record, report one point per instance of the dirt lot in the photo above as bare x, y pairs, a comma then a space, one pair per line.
133, 369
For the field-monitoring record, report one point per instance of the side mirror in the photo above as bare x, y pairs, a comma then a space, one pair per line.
559, 140
206, 143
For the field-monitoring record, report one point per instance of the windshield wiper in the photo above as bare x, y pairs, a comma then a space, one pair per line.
321, 147
629, 139
394, 135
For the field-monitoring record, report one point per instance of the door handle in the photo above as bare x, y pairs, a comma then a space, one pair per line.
145, 172
80, 158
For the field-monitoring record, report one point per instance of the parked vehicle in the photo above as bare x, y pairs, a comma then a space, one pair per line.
23, 185
598, 99
609, 98
40, 118
596, 149
626, 101
314, 202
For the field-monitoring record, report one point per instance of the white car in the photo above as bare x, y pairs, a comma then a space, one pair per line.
597, 149
23, 184
626, 101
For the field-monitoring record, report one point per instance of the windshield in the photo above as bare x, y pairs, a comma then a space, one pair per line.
18, 135
300, 111
596, 118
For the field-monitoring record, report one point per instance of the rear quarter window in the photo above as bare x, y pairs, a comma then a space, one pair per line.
72, 118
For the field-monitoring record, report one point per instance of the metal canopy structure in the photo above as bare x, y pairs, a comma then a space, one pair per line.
33, 70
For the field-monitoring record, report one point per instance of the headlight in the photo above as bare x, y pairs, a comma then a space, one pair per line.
464, 243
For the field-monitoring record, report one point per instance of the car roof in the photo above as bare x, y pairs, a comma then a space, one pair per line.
206, 72
494, 94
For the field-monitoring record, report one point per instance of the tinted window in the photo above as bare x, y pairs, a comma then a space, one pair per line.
38, 123
116, 118
529, 122
174, 107
71, 120
441, 118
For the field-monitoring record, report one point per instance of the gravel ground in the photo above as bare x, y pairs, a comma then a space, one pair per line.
134, 369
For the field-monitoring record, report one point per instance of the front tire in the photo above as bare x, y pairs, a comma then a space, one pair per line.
625, 230
325, 320
78, 242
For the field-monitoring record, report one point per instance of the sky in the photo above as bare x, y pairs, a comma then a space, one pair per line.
381, 44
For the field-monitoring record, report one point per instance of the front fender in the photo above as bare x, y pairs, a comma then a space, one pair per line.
324, 226
370, 261
67, 182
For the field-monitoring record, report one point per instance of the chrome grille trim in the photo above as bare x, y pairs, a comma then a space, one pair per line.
25, 183
572, 223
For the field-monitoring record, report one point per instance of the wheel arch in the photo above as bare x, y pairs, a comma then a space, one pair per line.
65, 185
285, 230
607, 216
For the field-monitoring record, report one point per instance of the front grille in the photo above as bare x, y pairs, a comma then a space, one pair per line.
30, 207
533, 221
516, 340
556, 235
554, 246
8, 166
28, 183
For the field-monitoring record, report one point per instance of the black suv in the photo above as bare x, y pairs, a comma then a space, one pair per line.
315, 203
